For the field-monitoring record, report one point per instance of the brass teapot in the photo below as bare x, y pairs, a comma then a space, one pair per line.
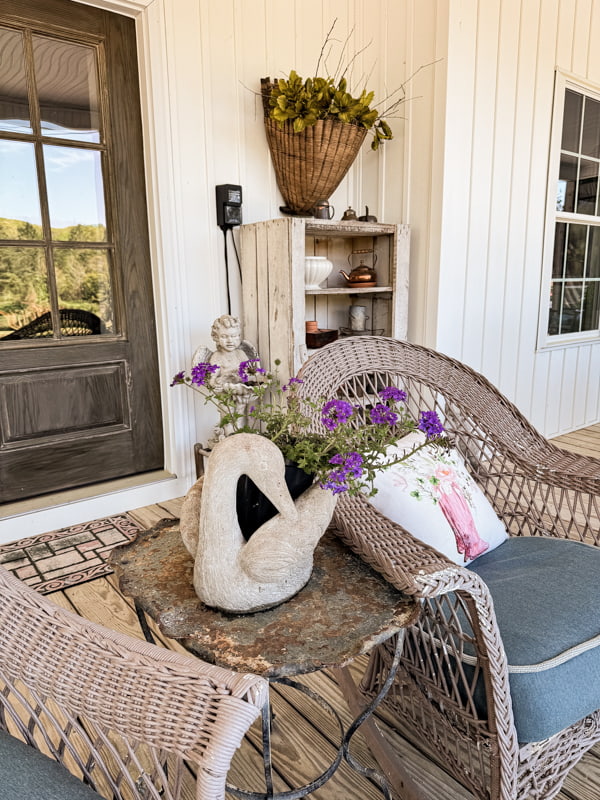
362, 275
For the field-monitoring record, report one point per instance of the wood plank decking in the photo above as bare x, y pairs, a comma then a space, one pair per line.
302, 738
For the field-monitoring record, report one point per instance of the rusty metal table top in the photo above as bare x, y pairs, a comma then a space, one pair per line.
343, 611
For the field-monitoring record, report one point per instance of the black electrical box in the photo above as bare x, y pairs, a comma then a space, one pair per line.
229, 205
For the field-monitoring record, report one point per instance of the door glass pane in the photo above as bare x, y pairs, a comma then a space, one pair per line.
572, 121
83, 283
590, 141
14, 103
576, 251
75, 194
20, 216
67, 84
567, 183
24, 294
588, 187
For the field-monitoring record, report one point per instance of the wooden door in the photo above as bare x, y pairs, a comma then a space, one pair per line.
79, 392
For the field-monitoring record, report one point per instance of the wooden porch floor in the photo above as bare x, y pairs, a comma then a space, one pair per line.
302, 741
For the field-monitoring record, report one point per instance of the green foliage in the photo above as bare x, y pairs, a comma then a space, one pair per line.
81, 274
352, 444
304, 102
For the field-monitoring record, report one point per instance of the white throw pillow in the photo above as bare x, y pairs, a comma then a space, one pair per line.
433, 496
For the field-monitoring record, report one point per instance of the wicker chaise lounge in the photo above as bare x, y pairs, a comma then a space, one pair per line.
127, 718
73, 322
501, 674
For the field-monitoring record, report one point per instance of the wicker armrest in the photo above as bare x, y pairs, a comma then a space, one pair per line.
560, 468
542, 491
402, 559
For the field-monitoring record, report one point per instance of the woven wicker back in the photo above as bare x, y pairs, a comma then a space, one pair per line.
121, 714
492, 435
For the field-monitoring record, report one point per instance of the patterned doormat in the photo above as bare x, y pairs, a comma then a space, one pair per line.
53, 561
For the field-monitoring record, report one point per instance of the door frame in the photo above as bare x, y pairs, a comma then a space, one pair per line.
39, 515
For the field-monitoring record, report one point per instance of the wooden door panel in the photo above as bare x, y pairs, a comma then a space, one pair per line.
63, 465
79, 409
50, 405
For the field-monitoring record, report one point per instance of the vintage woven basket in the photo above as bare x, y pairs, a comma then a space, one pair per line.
310, 165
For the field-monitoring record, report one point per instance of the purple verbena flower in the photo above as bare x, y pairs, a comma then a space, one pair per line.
335, 412
178, 378
350, 466
246, 369
202, 372
393, 393
430, 424
291, 383
382, 415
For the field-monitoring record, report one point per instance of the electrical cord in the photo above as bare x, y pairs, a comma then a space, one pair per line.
239, 263
226, 228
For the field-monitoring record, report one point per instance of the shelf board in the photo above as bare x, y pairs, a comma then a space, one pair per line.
314, 227
349, 290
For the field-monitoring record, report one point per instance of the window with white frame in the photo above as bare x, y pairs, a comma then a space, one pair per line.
573, 242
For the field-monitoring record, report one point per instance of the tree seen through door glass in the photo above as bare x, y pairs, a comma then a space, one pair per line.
24, 294
83, 283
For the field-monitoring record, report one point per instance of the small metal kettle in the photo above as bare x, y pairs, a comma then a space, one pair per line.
349, 214
367, 217
362, 275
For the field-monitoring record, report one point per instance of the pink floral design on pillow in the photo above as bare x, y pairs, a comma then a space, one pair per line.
437, 478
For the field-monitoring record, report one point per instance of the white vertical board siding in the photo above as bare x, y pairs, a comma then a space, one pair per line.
218, 52
502, 56
426, 33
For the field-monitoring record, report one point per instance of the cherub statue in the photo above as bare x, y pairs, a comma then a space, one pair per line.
231, 350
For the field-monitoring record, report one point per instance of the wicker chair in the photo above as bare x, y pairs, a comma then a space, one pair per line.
73, 322
127, 718
453, 690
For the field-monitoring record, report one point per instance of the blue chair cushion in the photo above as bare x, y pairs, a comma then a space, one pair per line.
546, 595
25, 774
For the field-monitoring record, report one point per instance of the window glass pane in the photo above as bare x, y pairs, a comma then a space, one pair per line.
590, 141
593, 255
23, 293
567, 183
20, 216
591, 296
571, 309
572, 121
14, 103
576, 251
555, 306
75, 194
83, 283
66, 80
558, 262
588, 187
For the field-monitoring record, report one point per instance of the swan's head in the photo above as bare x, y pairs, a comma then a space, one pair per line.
263, 462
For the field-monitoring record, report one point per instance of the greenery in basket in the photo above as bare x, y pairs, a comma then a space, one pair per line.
305, 101
346, 455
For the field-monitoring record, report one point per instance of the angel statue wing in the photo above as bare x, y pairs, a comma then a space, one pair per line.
201, 355
249, 349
